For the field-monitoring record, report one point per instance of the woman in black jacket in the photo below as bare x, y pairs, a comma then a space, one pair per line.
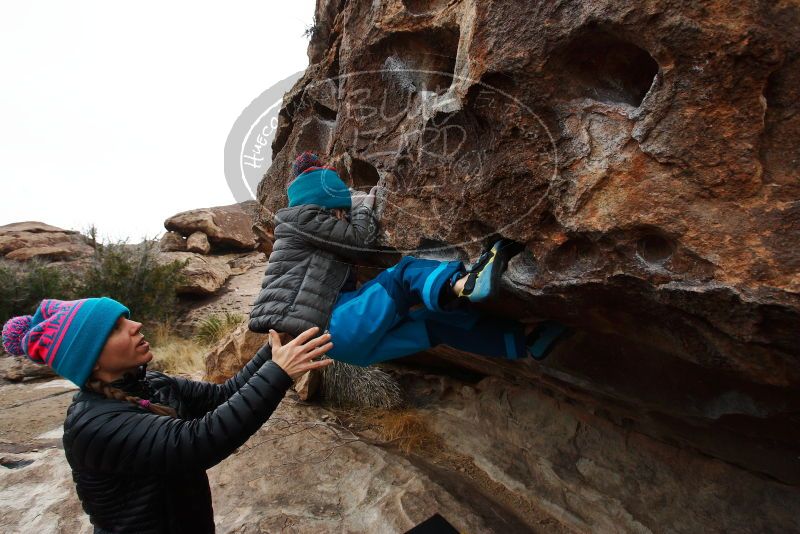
139, 442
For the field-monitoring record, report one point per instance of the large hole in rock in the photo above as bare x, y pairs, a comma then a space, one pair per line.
654, 249
363, 174
603, 67
420, 61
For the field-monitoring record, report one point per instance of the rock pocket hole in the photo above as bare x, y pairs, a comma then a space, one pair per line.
654, 249
602, 67
10, 463
364, 175
420, 61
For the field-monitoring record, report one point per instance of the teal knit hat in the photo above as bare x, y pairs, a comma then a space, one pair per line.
65, 335
320, 186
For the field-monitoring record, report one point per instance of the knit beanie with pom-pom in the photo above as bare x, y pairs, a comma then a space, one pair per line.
317, 184
65, 335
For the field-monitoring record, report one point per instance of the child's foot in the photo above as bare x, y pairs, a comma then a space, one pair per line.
544, 337
483, 276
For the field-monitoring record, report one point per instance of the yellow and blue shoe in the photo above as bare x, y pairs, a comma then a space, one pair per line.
483, 276
544, 338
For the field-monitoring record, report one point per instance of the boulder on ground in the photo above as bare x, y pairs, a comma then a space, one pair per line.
646, 156
203, 275
19, 368
172, 242
232, 353
226, 226
198, 242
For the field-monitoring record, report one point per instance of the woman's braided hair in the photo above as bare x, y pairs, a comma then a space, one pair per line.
110, 392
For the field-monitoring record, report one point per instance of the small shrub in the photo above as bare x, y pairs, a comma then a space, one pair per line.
24, 285
127, 273
406, 429
131, 275
214, 327
349, 386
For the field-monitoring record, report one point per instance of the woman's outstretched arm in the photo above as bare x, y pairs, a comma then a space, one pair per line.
110, 436
201, 397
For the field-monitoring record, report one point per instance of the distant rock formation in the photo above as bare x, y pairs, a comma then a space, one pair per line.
214, 242
24, 241
226, 227
645, 154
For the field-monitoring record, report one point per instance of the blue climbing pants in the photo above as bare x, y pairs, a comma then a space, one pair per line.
375, 323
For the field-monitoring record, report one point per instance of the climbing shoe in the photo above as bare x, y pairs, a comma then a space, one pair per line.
483, 276
544, 337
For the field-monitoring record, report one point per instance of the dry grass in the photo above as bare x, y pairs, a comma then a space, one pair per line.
349, 386
174, 354
214, 327
405, 429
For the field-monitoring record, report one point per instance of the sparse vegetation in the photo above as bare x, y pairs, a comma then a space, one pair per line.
405, 429
214, 327
127, 273
131, 275
24, 285
175, 355
312, 29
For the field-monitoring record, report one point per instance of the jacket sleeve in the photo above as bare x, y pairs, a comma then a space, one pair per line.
116, 438
201, 397
339, 236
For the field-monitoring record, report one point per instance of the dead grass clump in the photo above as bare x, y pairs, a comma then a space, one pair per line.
406, 429
349, 386
214, 327
174, 354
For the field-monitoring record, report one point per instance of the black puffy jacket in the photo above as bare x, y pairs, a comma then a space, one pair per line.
136, 471
310, 262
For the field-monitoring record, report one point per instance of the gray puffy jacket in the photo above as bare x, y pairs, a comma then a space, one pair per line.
310, 262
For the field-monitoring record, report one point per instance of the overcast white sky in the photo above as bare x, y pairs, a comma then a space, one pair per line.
116, 114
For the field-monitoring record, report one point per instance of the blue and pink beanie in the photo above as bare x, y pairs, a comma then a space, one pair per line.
314, 183
67, 335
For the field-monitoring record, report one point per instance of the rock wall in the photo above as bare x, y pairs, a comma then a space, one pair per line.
646, 154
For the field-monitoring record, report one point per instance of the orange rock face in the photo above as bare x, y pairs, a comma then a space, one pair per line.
646, 154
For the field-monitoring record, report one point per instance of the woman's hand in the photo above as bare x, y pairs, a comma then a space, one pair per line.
295, 356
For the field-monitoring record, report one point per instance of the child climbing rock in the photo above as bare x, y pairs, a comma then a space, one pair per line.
411, 306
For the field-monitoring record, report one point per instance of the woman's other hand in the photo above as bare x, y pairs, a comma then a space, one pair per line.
295, 357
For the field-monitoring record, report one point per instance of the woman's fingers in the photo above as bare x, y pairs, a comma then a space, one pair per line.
319, 351
304, 336
316, 342
274, 340
318, 365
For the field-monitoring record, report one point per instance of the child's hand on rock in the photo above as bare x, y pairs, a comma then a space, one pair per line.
295, 357
365, 199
